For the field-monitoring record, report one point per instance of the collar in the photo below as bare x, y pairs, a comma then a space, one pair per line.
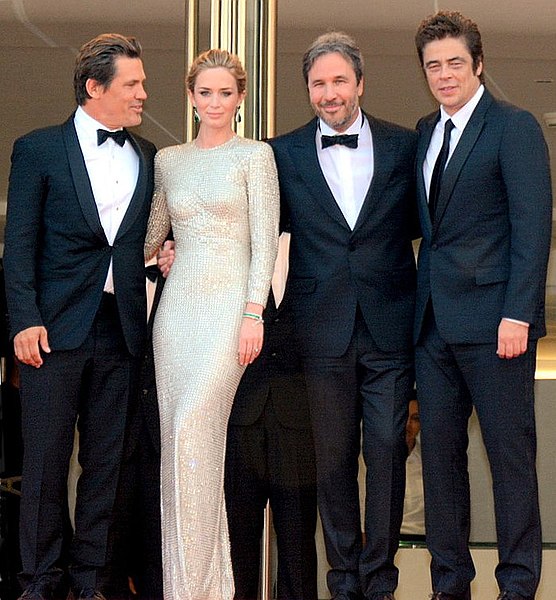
461, 118
88, 126
355, 127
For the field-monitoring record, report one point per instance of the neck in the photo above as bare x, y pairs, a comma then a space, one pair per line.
209, 138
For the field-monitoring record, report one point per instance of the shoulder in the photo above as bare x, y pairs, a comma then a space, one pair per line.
44, 146
40, 137
500, 109
169, 153
300, 134
254, 148
427, 121
146, 146
392, 129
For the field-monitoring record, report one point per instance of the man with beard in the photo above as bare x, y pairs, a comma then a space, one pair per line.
347, 193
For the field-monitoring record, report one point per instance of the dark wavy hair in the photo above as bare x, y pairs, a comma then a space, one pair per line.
96, 60
451, 24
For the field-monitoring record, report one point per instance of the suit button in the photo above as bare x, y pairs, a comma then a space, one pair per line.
352, 246
434, 246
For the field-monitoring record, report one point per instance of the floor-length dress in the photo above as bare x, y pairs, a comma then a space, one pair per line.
222, 205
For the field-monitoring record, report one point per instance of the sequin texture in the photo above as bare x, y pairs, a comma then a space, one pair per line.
222, 204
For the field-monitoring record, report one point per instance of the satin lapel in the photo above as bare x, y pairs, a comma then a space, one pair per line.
138, 197
304, 156
384, 157
81, 181
425, 135
459, 157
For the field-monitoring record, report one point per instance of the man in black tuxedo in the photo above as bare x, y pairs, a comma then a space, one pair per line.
485, 213
78, 204
350, 210
135, 540
269, 456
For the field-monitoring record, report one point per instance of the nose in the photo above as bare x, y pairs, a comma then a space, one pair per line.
445, 71
329, 92
141, 93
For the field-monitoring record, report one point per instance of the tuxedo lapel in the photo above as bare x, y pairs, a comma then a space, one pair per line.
384, 159
304, 157
459, 157
81, 179
138, 197
425, 134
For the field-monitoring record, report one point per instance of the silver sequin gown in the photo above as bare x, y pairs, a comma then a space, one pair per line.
222, 204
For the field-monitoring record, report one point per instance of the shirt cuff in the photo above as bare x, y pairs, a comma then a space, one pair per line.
515, 321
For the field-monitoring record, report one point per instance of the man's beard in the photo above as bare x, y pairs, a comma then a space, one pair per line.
338, 124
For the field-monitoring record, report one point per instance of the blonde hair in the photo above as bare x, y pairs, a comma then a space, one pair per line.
212, 59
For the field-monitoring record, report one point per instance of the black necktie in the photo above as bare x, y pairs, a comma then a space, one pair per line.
438, 171
344, 140
119, 136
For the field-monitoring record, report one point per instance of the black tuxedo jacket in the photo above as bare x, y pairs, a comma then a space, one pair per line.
334, 269
56, 253
276, 376
486, 255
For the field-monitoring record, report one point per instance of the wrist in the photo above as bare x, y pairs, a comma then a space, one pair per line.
256, 318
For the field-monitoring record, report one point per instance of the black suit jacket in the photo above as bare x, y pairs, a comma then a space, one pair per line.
334, 269
486, 255
56, 253
276, 376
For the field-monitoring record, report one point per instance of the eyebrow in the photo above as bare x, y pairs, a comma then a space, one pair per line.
453, 59
208, 89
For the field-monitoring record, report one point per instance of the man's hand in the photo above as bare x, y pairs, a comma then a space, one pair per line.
512, 339
165, 257
29, 343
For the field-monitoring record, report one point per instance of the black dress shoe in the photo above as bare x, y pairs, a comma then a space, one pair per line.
89, 594
36, 591
445, 596
510, 596
383, 596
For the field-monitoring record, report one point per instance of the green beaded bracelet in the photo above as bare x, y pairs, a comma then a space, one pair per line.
254, 316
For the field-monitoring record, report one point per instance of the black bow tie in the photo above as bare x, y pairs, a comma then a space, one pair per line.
152, 272
345, 140
119, 136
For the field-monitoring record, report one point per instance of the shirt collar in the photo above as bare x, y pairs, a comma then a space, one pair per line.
461, 118
355, 127
88, 126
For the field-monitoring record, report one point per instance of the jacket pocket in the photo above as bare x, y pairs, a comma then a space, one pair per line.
486, 275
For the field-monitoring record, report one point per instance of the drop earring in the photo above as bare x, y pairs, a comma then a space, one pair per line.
196, 116
238, 115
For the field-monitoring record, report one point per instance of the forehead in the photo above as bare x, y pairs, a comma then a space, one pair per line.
445, 49
128, 68
215, 77
331, 65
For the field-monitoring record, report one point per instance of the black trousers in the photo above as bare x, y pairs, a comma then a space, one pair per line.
451, 380
267, 461
91, 385
364, 392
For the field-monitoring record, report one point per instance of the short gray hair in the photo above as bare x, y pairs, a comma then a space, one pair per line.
334, 41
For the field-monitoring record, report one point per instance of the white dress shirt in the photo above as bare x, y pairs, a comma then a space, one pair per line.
460, 120
348, 171
113, 171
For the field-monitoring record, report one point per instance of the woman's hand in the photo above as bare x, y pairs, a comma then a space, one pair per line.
251, 334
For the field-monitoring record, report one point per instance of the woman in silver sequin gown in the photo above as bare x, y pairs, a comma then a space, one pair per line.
219, 194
